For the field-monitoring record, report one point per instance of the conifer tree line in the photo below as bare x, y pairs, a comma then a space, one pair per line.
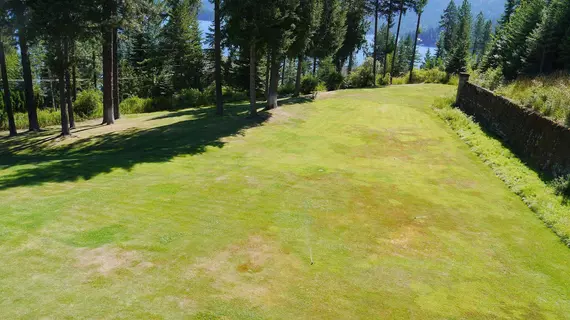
55, 49
533, 38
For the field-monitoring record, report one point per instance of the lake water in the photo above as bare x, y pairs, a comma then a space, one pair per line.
422, 50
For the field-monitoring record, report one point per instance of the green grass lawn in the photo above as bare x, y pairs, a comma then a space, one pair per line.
363, 204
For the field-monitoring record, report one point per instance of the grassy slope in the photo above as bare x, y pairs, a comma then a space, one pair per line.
183, 217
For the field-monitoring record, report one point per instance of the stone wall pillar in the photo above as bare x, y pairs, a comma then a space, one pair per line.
463, 79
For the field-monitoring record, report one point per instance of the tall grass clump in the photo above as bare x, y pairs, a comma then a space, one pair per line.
548, 199
548, 94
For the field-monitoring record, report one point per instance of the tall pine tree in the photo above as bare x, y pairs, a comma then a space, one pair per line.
457, 61
181, 40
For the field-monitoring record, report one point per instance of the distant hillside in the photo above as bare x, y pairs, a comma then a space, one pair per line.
492, 9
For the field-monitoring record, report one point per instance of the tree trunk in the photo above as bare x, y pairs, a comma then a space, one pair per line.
350, 63
267, 74
6, 87
73, 72
116, 111
396, 42
375, 51
68, 85
108, 114
314, 66
413, 62
94, 70
62, 105
218, 58
252, 75
274, 82
284, 69
28, 83
298, 78
388, 38
52, 90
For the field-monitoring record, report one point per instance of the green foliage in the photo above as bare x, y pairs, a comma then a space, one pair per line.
330, 34
287, 88
492, 79
383, 80
334, 80
190, 98
88, 102
548, 95
309, 84
182, 44
457, 61
426, 76
547, 45
136, 105
449, 25
357, 24
362, 77
404, 56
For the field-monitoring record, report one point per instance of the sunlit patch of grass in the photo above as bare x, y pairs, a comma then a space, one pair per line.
359, 205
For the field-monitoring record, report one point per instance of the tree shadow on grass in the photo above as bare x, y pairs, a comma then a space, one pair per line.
86, 158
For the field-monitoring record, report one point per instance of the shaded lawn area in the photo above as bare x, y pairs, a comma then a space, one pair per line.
185, 215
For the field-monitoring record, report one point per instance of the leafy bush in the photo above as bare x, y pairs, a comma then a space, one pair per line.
361, 77
562, 186
135, 105
492, 79
321, 87
190, 98
427, 76
228, 94
163, 104
334, 80
88, 102
383, 80
288, 88
309, 84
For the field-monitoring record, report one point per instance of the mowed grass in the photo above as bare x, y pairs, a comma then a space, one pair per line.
363, 204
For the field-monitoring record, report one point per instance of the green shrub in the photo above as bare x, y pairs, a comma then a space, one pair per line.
383, 80
309, 84
492, 79
287, 88
361, 77
88, 103
321, 87
241, 96
333, 80
135, 105
426, 76
163, 104
562, 185
190, 98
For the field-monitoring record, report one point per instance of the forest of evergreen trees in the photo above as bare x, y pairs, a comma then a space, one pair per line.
103, 57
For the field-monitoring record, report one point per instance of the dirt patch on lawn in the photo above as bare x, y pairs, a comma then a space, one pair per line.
105, 260
256, 270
